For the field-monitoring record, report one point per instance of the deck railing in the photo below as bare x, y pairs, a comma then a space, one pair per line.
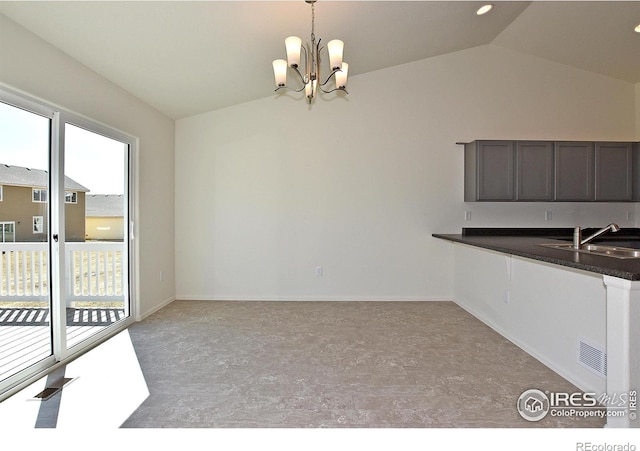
94, 271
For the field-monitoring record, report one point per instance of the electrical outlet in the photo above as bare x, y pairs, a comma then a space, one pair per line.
161, 276
507, 297
467, 216
319, 271
548, 216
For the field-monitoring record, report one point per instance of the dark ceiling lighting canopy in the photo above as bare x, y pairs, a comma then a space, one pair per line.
311, 76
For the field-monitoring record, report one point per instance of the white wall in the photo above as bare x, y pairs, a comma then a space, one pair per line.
32, 65
268, 190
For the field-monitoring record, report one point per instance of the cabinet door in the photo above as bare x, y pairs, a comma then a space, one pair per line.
574, 171
495, 170
614, 169
534, 170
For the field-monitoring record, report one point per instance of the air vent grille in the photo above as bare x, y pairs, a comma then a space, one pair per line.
53, 389
592, 357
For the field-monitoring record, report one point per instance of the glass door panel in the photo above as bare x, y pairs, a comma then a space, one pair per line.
96, 236
25, 296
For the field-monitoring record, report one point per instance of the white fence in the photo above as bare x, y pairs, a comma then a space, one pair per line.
94, 271
24, 269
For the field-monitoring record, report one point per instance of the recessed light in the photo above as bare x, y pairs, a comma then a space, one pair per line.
637, 28
484, 9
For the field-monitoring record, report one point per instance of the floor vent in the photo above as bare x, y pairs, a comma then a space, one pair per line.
592, 357
54, 388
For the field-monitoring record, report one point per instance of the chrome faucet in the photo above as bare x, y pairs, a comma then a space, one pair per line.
578, 242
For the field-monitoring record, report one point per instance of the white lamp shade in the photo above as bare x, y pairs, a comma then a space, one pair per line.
293, 44
280, 72
310, 89
341, 76
335, 48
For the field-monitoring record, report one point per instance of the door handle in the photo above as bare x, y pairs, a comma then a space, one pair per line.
55, 237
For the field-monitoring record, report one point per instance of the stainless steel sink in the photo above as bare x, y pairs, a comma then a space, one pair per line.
599, 249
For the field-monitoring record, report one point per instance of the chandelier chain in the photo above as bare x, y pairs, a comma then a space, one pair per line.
313, 22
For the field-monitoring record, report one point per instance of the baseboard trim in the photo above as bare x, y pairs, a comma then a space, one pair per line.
166, 302
188, 297
582, 385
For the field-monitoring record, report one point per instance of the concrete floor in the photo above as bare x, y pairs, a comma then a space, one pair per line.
335, 365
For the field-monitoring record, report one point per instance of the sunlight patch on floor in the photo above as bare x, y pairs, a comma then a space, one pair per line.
107, 387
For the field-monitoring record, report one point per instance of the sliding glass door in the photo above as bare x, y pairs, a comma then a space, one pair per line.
65, 203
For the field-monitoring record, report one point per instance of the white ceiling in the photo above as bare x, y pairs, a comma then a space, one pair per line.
185, 58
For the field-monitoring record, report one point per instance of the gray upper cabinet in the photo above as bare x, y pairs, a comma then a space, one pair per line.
489, 171
614, 171
562, 171
534, 170
574, 176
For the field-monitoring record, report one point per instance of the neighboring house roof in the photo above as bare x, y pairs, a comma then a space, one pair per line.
37, 178
104, 205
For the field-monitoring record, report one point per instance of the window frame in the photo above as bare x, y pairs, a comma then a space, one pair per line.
3, 231
74, 197
40, 192
36, 228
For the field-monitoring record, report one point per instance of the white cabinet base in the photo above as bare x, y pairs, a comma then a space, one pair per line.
623, 348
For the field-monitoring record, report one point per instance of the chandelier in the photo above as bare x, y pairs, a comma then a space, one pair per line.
309, 80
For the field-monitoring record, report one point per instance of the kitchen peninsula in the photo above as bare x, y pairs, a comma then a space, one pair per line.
557, 303
529, 243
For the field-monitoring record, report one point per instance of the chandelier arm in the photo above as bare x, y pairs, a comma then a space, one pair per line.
312, 61
290, 89
300, 76
306, 63
334, 89
329, 77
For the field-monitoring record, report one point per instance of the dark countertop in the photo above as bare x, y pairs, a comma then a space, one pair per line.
526, 243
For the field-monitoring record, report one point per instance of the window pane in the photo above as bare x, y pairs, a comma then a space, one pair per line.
96, 238
24, 269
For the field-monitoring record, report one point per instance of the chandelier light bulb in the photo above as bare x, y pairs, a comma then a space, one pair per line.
280, 72
335, 48
310, 89
341, 76
293, 45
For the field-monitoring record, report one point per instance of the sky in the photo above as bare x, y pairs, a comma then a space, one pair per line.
94, 161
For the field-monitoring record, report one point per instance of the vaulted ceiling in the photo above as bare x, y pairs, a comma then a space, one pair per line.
186, 57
